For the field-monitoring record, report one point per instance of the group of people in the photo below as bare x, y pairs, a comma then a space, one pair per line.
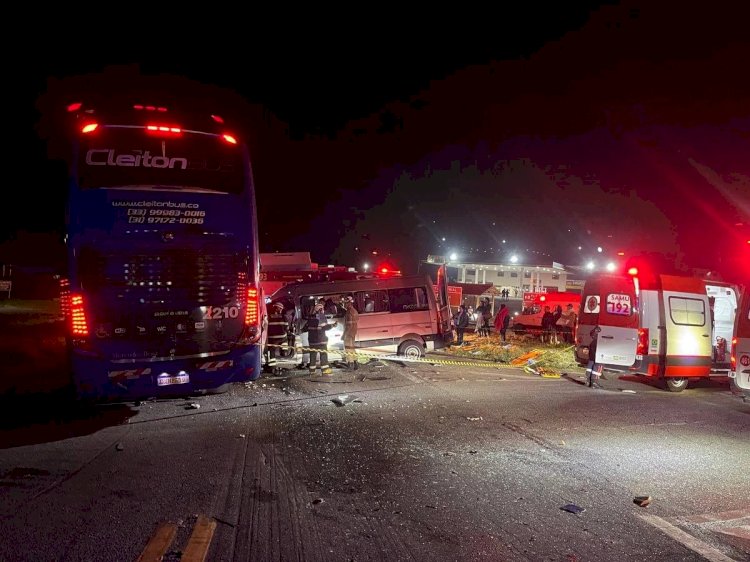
483, 320
558, 325
312, 331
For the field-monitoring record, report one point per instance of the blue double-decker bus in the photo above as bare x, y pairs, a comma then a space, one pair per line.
162, 295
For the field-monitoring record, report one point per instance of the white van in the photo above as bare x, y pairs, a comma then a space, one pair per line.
740, 353
396, 314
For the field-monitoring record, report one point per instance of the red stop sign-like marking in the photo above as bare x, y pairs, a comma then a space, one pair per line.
745, 360
591, 303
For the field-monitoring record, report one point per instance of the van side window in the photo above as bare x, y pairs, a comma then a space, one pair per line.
687, 312
332, 304
371, 301
408, 300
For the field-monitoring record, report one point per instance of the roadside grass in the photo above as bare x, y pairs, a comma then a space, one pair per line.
555, 357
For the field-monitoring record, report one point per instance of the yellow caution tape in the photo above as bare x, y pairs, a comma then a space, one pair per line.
400, 358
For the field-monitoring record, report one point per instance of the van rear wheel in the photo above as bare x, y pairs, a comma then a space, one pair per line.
676, 384
412, 349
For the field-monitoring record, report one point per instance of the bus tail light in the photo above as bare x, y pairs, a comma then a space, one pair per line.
78, 324
251, 333
733, 356
164, 130
642, 347
229, 139
89, 127
252, 313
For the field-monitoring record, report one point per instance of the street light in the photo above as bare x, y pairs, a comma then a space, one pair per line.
610, 267
590, 266
365, 266
514, 258
453, 256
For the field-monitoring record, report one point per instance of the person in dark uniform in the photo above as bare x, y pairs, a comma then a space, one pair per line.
277, 333
593, 369
317, 326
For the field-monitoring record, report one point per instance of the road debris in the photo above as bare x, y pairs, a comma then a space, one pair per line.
642, 501
572, 508
119, 447
341, 400
318, 500
193, 406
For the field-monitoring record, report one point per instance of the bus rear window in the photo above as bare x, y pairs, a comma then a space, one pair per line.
130, 158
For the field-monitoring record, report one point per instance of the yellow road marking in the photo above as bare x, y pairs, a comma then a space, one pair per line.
159, 543
200, 540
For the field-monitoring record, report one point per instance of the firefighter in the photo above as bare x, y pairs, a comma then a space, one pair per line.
317, 326
277, 333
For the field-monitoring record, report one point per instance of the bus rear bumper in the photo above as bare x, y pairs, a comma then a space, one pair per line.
97, 379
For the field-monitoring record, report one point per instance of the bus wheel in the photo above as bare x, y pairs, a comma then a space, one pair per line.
411, 349
676, 384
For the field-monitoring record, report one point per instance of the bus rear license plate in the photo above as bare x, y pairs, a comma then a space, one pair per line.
166, 380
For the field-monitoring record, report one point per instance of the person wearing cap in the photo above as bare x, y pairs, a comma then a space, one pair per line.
304, 342
351, 320
277, 332
317, 326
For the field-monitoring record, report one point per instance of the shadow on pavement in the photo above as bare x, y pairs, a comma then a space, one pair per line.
30, 419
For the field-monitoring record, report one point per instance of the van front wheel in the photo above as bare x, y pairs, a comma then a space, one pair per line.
676, 384
411, 349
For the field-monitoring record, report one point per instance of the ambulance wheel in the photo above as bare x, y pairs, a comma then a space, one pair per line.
676, 384
411, 349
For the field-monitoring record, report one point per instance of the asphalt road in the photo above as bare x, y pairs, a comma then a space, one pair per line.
422, 462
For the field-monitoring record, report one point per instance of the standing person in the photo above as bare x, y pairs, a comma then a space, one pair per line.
556, 315
502, 321
307, 308
351, 320
593, 369
461, 320
547, 321
567, 323
483, 310
317, 326
277, 327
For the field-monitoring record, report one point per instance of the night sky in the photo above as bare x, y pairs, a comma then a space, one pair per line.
625, 126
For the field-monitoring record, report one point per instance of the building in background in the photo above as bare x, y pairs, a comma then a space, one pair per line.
517, 278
